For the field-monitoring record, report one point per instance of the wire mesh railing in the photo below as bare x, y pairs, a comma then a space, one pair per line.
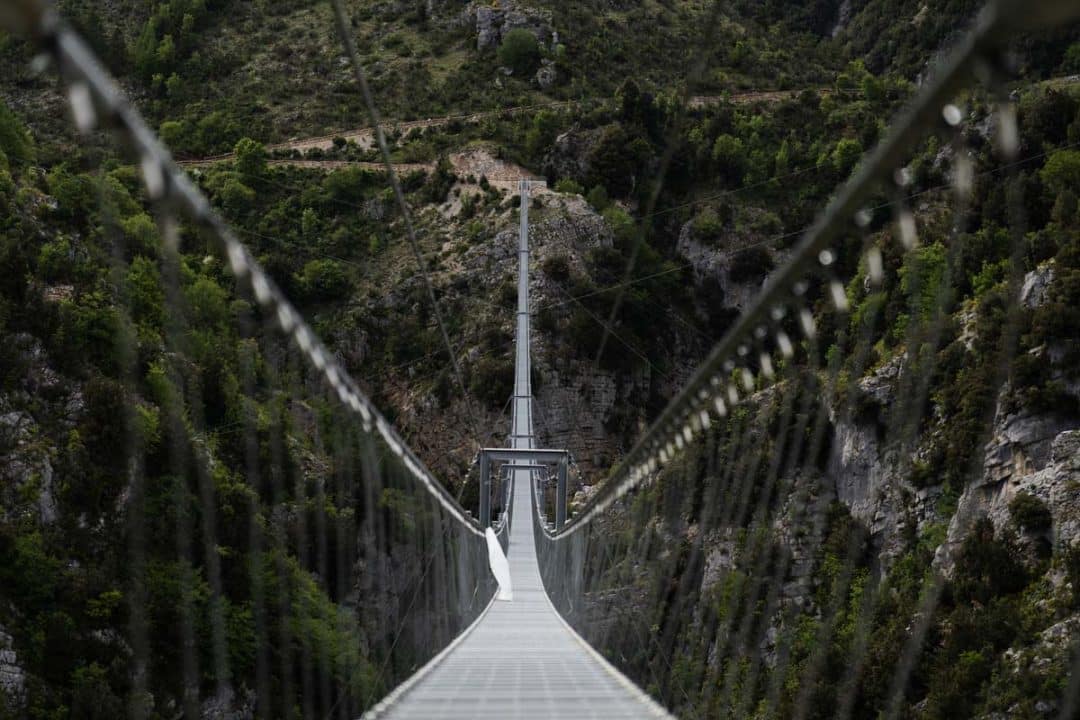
802, 532
283, 553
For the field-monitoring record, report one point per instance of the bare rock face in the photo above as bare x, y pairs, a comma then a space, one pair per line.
547, 75
494, 22
1036, 288
1035, 454
568, 157
1021, 445
576, 400
228, 705
719, 558
1057, 484
25, 465
717, 259
800, 527
12, 676
843, 17
873, 482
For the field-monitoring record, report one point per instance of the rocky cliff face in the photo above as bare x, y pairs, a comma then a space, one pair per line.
493, 22
12, 675
579, 406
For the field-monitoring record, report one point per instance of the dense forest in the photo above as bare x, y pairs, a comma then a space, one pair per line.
697, 139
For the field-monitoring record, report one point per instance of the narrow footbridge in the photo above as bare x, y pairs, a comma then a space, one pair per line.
520, 659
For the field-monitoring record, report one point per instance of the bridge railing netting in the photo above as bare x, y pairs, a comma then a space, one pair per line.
278, 550
819, 524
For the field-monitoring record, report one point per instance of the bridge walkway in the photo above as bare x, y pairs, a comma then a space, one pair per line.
520, 660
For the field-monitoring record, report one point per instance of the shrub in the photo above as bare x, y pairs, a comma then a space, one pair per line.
846, 154
730, 157
324, 280
76, 196
708, 227
492, 381
620, 221
520, 52
145, 296
598, 198
1030, 513
140, 233
250, 157
922, 276
348, 184
566, 186
1062, 171
7, 183
986, 566
236, 197
439, 183
15, 141
1071, 64
207, 302
612, 161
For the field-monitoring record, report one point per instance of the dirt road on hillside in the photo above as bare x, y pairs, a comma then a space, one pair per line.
365, 137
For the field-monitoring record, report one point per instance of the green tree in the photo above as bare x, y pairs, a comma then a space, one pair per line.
309, 224
439, 183
145, 295
7, 183
208, 303
568, 186
175, 133
598, 198
324, 280
609, 162
174, 86
15, 139
729, 154
144, 51
520, 51
165, 55
236, 196
846, 155
1062, 171
141, 233
631, 102
250, 157
922, 278
1030, 513
1071, 64
540, 135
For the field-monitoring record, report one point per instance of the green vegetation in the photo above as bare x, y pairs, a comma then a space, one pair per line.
88, 293
520, 52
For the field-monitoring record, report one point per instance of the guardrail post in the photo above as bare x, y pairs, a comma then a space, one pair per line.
485, 490
560, 496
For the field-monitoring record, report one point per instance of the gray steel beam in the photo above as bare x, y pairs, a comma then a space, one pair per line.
485, 490
560, 498
550, 457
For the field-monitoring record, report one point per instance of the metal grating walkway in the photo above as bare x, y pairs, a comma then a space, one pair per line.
519, 660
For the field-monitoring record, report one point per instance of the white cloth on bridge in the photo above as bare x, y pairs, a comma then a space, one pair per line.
500, 568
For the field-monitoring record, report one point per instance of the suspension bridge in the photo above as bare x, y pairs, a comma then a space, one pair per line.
526, 613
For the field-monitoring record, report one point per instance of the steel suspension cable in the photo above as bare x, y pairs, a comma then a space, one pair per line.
406, 215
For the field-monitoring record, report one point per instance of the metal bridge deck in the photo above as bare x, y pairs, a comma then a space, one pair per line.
520, 660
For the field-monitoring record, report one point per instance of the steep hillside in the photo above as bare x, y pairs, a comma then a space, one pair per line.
734, 180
